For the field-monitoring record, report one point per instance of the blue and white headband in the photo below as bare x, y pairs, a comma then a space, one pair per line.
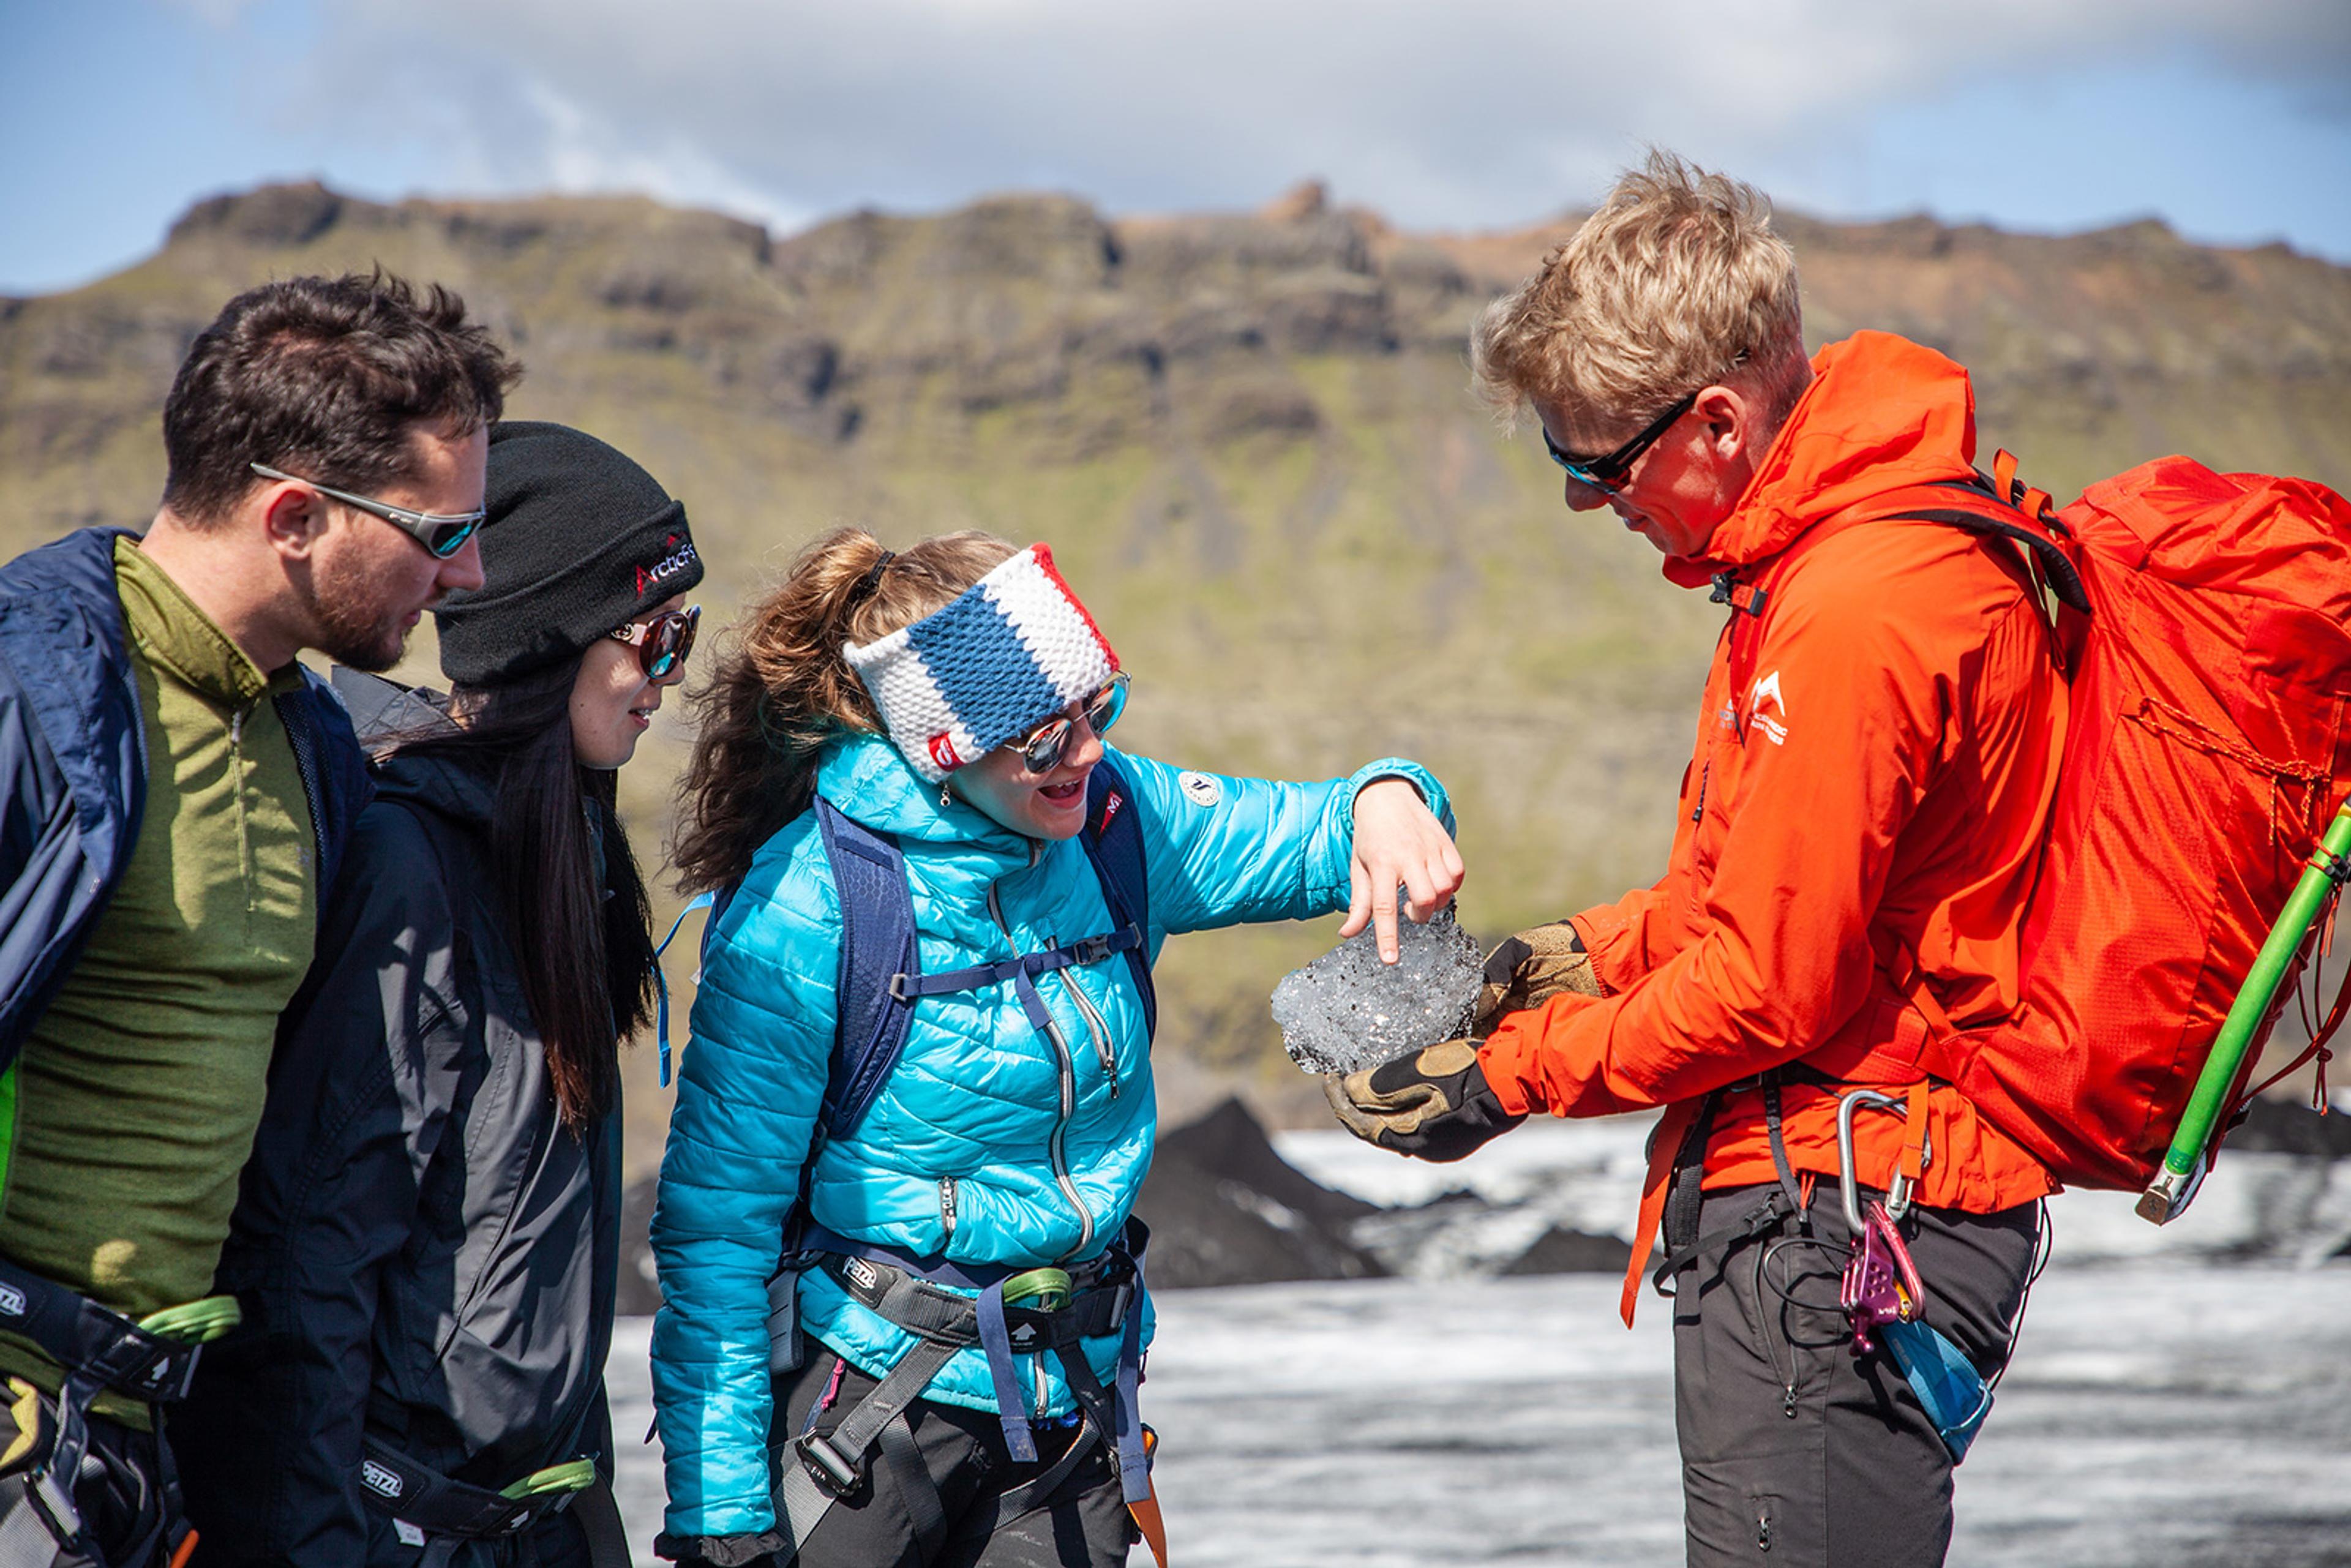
1008, 654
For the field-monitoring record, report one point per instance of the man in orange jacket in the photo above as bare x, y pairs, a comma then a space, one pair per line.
1858, 832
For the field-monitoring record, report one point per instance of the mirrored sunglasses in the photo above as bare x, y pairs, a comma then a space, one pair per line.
1042, 748
662, 642
443, 534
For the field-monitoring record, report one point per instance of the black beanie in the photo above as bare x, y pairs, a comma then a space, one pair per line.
579, 542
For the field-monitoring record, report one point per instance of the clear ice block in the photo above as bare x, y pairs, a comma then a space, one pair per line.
1347, 1010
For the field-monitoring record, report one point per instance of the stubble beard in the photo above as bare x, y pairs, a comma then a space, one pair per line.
352, 626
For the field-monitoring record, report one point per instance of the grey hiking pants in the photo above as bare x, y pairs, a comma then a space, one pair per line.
1083, 1523
1793, 1450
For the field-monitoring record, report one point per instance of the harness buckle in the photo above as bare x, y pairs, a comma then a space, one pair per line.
898, 989
1091, 950
827, 1466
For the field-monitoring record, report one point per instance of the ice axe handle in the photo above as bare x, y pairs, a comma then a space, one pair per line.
2167, 1194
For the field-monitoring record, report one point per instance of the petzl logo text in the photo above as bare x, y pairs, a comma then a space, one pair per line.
379, 1478
12, 1300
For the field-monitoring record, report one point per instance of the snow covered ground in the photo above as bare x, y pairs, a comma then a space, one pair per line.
2164, 1411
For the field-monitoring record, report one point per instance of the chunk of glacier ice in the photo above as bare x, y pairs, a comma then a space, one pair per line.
1347, 1009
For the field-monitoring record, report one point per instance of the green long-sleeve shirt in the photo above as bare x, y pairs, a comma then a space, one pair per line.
134, 1102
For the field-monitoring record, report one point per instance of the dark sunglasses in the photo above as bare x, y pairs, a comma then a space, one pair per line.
1042, 748
443, 534
662, 642
1608, 474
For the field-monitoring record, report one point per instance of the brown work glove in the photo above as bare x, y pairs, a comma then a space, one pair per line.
1530, 968
1433, 1104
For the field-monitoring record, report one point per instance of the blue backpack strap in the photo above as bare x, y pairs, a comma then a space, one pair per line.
877, 944
1113, 841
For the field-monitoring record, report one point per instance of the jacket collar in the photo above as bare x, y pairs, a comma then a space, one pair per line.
1882, 412
867, 782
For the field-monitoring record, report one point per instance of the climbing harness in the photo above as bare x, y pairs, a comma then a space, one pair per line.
1031, 1312
439, 1514
153, 1361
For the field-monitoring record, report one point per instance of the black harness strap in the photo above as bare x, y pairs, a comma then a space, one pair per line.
1684, 1194
88, 1340
449, 1512
100, 1350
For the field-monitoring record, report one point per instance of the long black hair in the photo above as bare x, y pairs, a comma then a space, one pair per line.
582, 931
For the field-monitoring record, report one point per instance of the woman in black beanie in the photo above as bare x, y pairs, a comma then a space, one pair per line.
427, 1239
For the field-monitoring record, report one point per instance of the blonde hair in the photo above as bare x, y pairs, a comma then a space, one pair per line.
1677, 282
781, 689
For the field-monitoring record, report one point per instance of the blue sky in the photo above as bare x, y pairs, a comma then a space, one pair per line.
2234, 123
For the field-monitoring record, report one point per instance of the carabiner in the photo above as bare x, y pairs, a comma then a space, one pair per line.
1897, 1191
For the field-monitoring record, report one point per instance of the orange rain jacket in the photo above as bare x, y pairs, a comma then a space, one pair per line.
1878, 790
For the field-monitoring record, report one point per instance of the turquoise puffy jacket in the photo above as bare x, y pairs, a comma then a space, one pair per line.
968, 1151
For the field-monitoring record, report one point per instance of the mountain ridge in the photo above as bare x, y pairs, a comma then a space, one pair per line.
1249, 438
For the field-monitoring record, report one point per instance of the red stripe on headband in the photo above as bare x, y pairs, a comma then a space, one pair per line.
1044, 554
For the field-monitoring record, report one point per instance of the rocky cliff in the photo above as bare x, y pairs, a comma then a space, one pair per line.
1248, 437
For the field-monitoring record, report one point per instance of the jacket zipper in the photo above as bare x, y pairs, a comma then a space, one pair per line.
1095, 1026
948, 1208
1057, 1146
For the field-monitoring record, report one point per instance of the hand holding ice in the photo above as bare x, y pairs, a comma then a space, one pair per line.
1347, 1010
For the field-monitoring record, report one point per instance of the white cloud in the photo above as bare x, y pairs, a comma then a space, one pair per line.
1468, 112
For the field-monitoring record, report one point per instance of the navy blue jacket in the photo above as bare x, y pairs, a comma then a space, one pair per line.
73, 766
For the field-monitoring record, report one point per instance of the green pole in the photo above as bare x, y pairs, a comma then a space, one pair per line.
2167, 1194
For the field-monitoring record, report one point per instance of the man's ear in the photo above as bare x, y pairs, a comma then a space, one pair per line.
292, 518
1730, 421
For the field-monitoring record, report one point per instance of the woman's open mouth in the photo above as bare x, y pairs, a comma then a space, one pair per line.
1062, 794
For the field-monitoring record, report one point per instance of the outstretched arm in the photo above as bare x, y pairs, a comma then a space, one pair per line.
1222, 851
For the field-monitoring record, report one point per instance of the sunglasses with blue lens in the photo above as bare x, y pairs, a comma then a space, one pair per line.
1608, 474
443, 534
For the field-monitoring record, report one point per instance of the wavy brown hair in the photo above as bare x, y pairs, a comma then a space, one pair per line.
782, 690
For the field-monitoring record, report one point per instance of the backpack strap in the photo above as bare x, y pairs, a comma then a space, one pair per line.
1112, 838
2001, 506
877, 944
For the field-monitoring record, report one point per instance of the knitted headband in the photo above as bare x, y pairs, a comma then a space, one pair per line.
1009, 652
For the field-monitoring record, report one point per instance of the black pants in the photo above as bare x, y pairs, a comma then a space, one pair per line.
1793, 1450
1083, 1523
123, 1493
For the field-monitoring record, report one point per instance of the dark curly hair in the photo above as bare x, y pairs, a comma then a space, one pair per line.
324, 377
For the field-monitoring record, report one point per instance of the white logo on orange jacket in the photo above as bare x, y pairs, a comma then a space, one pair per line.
1767, 691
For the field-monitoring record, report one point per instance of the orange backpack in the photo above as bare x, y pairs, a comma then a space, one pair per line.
2204, 622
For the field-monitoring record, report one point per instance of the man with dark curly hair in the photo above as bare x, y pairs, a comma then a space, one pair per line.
175, 791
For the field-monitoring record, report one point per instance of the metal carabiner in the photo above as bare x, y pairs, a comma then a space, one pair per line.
1897, 1191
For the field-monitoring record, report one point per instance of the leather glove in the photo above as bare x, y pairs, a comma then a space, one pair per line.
1530, 968
1434, 1103
749, 1551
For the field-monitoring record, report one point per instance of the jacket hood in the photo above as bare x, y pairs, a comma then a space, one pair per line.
1882, 412
868, 780
382, 710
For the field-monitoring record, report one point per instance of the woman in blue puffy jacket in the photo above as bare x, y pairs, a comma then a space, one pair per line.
903, 1322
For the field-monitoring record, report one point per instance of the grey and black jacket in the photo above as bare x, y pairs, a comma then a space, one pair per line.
425, 1256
